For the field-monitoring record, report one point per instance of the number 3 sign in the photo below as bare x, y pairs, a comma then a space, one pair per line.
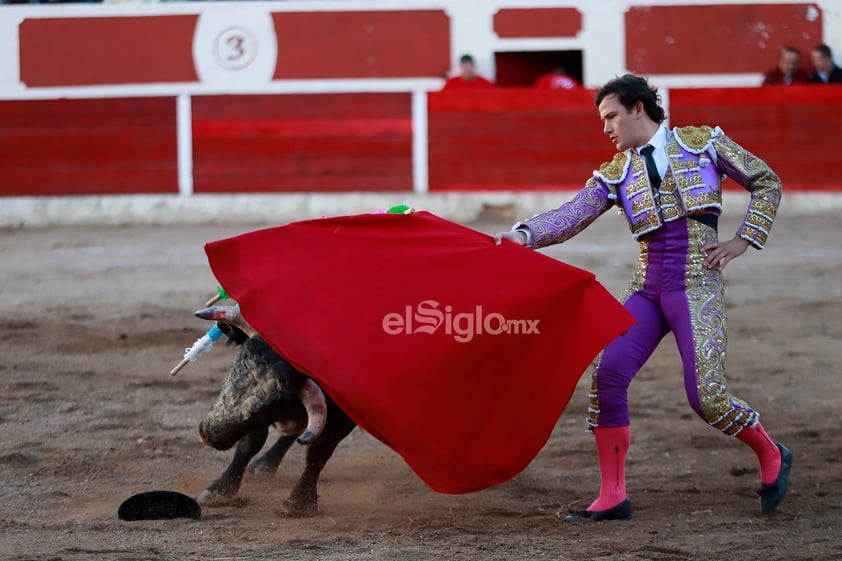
236, 48
235, 51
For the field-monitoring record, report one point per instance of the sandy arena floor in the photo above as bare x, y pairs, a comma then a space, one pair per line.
97, 316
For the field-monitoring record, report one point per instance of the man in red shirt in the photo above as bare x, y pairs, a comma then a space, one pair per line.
556, 79
468, 77
787, 71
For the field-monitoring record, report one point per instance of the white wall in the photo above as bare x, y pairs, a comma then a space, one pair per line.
602, 41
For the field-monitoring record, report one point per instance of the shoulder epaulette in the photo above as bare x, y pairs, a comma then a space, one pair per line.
614, 171
696, 139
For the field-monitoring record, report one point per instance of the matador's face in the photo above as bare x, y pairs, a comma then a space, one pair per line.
624, 127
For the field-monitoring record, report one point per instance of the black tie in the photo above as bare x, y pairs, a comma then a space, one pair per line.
651, 168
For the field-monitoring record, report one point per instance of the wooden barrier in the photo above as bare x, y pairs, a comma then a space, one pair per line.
88, 146
793, 128
518, 140
533, 140
513, 139
307, 142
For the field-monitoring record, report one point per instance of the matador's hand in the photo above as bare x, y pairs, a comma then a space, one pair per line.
517, 236
723, 253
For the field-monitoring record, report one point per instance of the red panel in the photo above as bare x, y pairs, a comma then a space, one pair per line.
289, 143
537, 140
718, 39
785, 126
90, 146
537, 22
514, 139
387, 44
107, 50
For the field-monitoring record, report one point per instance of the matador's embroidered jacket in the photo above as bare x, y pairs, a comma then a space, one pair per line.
699, 158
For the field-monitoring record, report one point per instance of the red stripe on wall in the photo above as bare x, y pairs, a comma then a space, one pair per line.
307, 142
718, 39
514, 139
304, 128
537, 22
107, 50
373, 44
88, 146
783, 125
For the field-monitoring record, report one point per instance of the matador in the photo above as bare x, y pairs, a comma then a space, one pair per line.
667, 183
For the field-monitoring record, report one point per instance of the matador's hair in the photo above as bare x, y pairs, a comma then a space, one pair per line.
630, 89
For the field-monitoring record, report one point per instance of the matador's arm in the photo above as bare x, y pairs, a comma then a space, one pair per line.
562, 223
756, 177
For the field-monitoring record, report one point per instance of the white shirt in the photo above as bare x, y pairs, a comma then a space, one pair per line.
659, 142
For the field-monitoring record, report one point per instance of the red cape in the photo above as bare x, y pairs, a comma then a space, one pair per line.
458, 354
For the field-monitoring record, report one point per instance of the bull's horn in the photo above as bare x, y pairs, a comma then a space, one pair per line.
314, 402
227, 314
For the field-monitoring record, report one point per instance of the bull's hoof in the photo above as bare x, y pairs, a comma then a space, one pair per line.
213, 499
298, 510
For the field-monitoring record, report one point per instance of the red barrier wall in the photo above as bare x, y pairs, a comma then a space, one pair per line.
498, 140
88, 146
513, 139
794, 129
307, 142
525, 139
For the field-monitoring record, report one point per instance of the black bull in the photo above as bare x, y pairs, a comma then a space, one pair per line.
263, 389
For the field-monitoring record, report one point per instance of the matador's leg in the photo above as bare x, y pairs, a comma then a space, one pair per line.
698, 320
621, 360
609, 408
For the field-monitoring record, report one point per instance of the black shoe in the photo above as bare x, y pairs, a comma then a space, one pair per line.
620, 512
771, 494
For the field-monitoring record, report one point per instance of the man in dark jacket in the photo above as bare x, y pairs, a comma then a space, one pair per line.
826, 72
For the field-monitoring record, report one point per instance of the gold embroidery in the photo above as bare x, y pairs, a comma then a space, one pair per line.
638, 206
706, 300
647, 223
684, 167
695, 138
759, 221
593, 396
644, 212
692, 182
614, 170
637, 186
758, 178
670, 212
670, 209
703, 200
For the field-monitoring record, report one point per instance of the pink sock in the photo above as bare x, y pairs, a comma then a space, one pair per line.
768, 453
612, 443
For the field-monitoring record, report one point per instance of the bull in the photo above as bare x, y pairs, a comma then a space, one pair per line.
262, 389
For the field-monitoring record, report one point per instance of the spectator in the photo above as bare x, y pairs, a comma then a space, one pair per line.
787, 71
826, 72
468, 77
556, 79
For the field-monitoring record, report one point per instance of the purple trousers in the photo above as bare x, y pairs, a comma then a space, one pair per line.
672, 291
